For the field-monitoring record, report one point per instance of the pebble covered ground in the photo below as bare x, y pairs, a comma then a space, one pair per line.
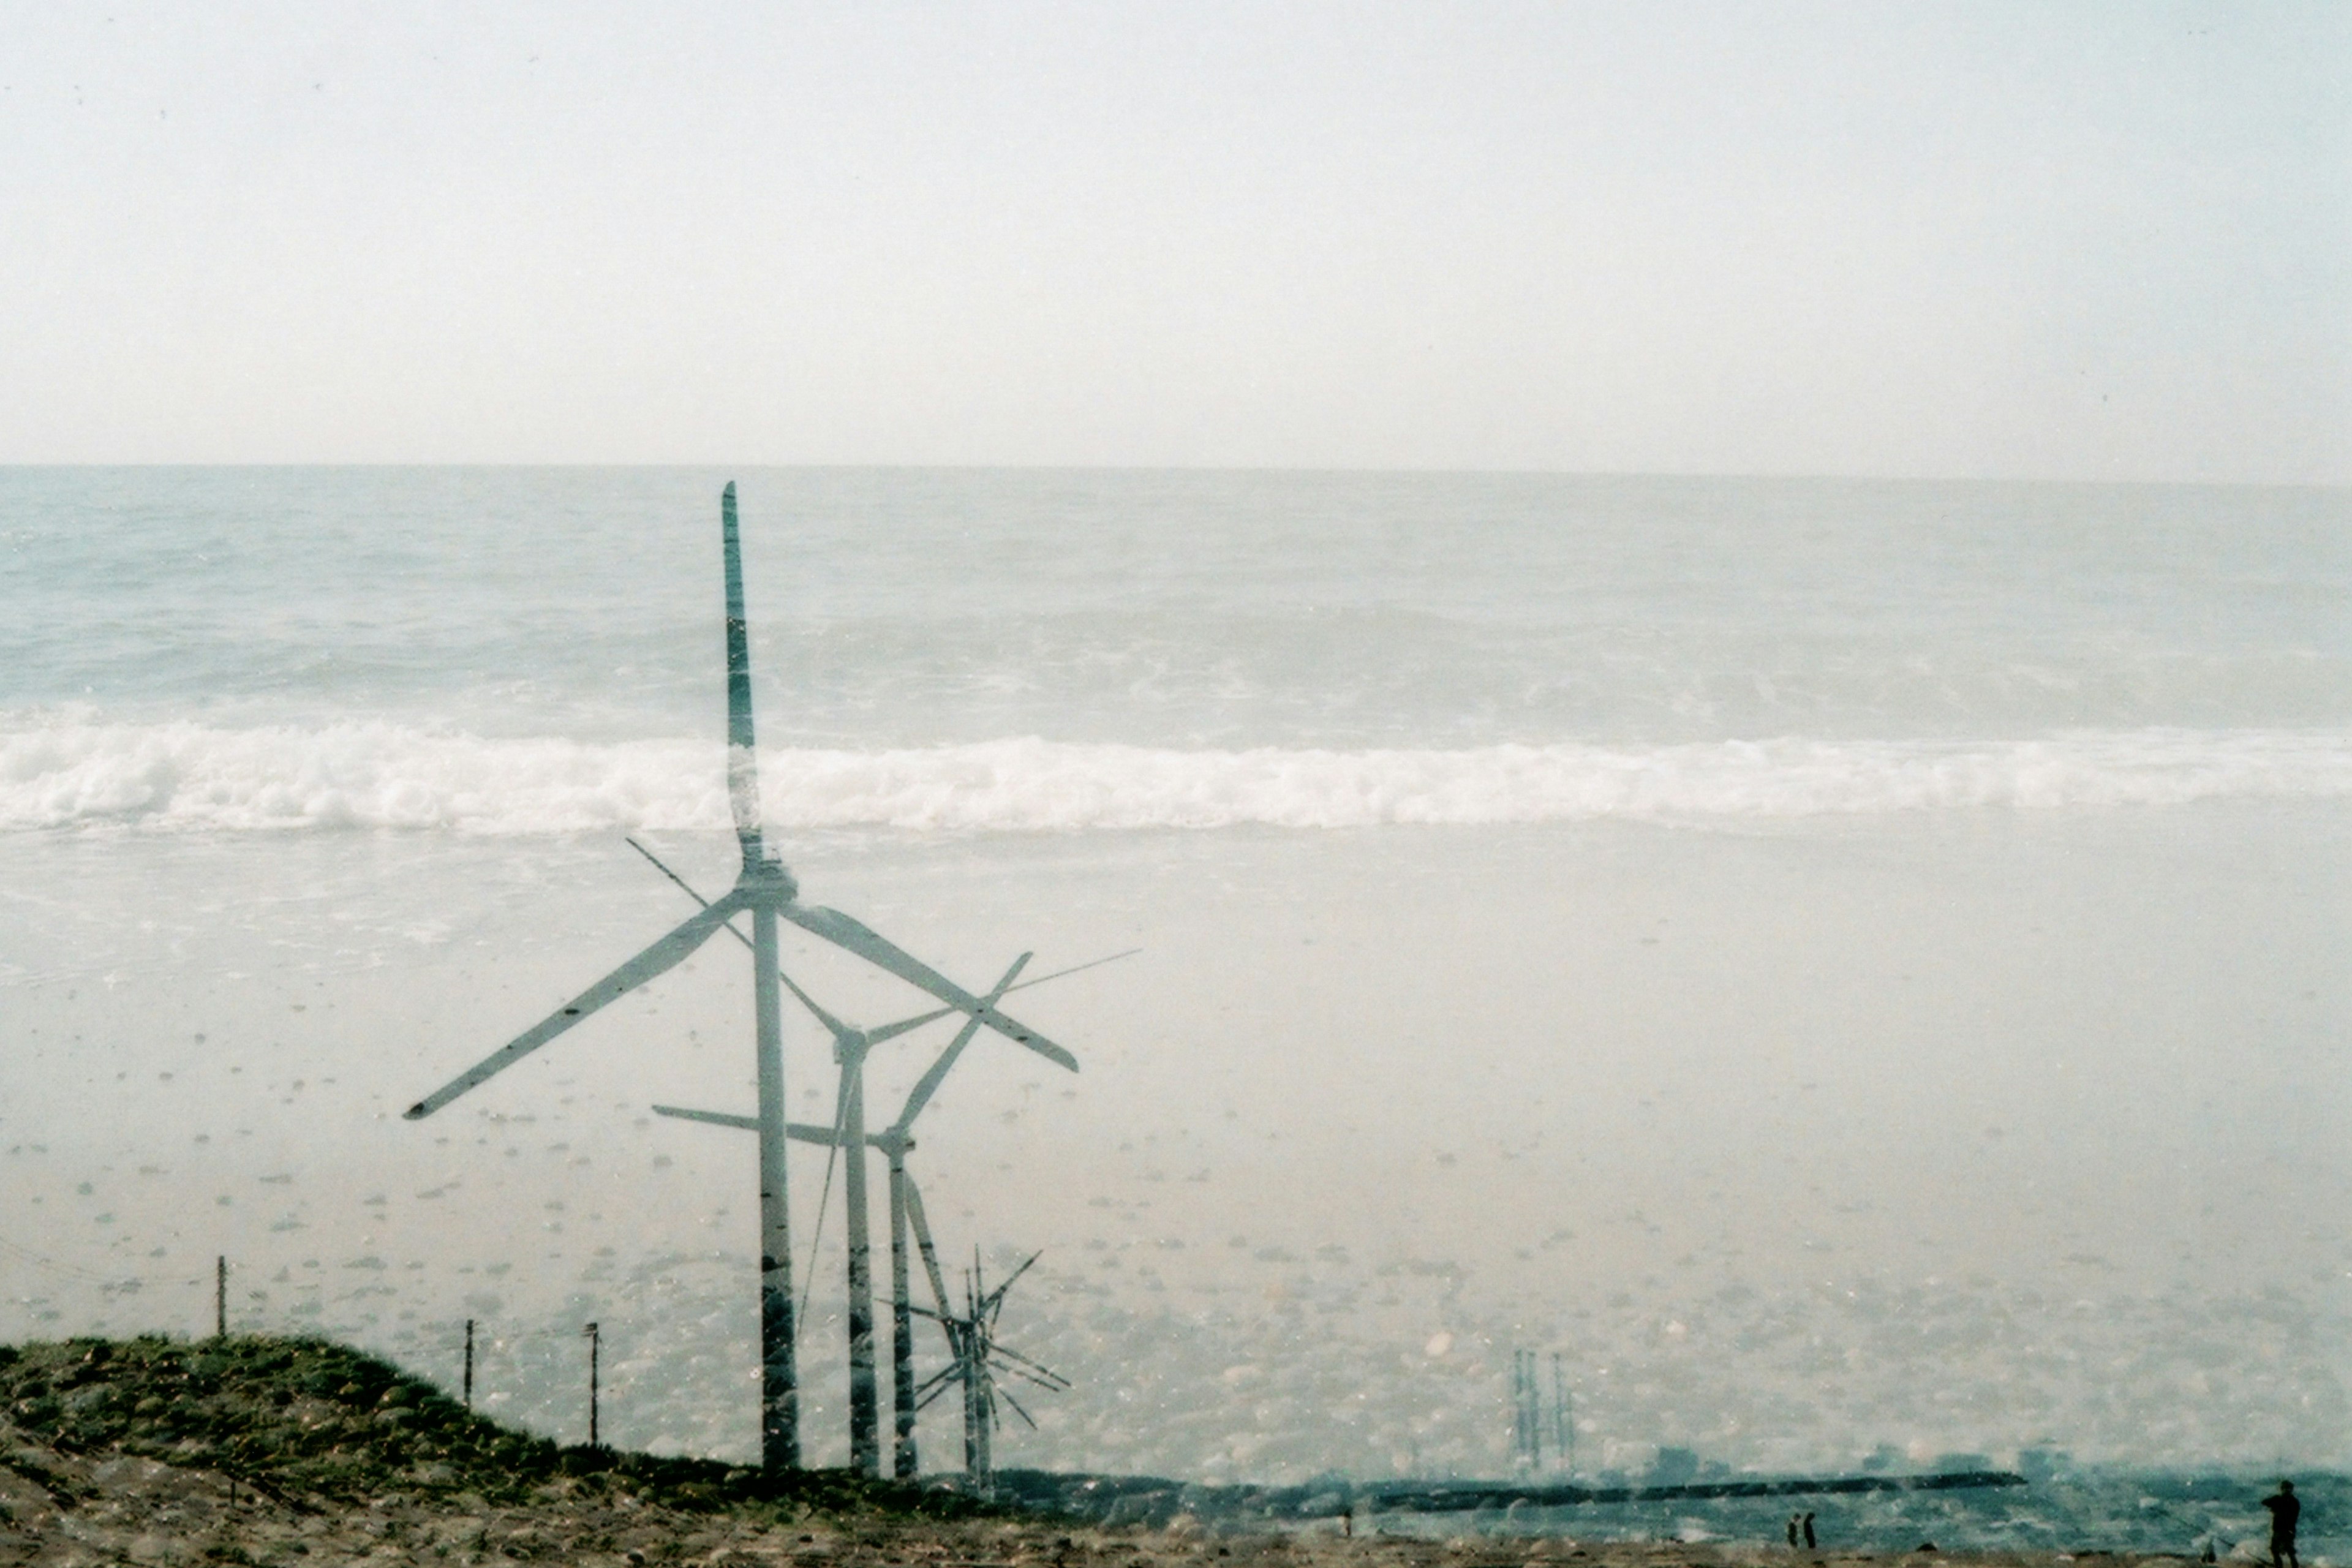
276, 1453
64, 1511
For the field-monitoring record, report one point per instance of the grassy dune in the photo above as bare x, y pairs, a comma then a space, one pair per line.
308, 1422
277, 1453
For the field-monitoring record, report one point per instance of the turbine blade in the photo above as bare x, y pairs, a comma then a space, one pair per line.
1035, 1370
846, 933
1053, 1385
928, 1084
1089, 963
733, 930
994, 1301
657, 960
803, 1132
742, 759
839, 1030
922, 1229
874, 1037
832, 1141
1006, 1395
715, 1118
1003, 1367
953, 1330
892, 1031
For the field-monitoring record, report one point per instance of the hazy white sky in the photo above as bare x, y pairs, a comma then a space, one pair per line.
2099, 241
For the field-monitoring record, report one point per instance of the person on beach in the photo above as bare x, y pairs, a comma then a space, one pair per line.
1810, 1542
1794, 1520
2285, 1511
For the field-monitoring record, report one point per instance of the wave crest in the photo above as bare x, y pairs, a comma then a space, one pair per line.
185, 775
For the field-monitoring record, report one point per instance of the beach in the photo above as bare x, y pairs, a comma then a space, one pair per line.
151, 1512
1850, 968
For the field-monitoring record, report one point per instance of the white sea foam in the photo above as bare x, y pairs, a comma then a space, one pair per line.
71, 772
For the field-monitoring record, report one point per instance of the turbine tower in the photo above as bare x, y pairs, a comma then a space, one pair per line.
768, 891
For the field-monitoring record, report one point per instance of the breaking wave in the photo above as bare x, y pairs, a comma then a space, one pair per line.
185, 775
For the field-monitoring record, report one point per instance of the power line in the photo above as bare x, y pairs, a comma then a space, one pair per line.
27, 1255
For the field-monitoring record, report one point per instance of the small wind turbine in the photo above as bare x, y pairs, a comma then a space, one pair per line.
977, 1361
768, 890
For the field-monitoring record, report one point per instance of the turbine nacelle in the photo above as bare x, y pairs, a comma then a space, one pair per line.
770, 881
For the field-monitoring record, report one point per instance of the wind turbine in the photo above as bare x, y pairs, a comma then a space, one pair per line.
850, 1045
977, 1362
848, 1133
767, 889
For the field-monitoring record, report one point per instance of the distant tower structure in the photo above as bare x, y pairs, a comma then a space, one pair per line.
1526, 1411
1532, 1425
1563, 1416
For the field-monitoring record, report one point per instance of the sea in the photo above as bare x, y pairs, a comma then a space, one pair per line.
1832, 975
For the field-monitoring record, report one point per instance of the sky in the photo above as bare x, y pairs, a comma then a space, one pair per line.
2108, 242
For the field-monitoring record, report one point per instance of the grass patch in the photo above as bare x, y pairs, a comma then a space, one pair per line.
308, 1422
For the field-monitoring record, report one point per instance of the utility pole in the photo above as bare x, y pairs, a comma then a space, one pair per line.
596, 1342
469, 1363
220, 1296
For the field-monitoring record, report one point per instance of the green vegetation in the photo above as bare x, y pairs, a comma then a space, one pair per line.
307, 1422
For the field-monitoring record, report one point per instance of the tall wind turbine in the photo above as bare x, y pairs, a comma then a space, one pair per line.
767, 889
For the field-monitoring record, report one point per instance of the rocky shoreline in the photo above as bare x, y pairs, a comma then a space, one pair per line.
276, 1453
59, 1510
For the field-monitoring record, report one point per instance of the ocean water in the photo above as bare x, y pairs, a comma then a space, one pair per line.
1851, 968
